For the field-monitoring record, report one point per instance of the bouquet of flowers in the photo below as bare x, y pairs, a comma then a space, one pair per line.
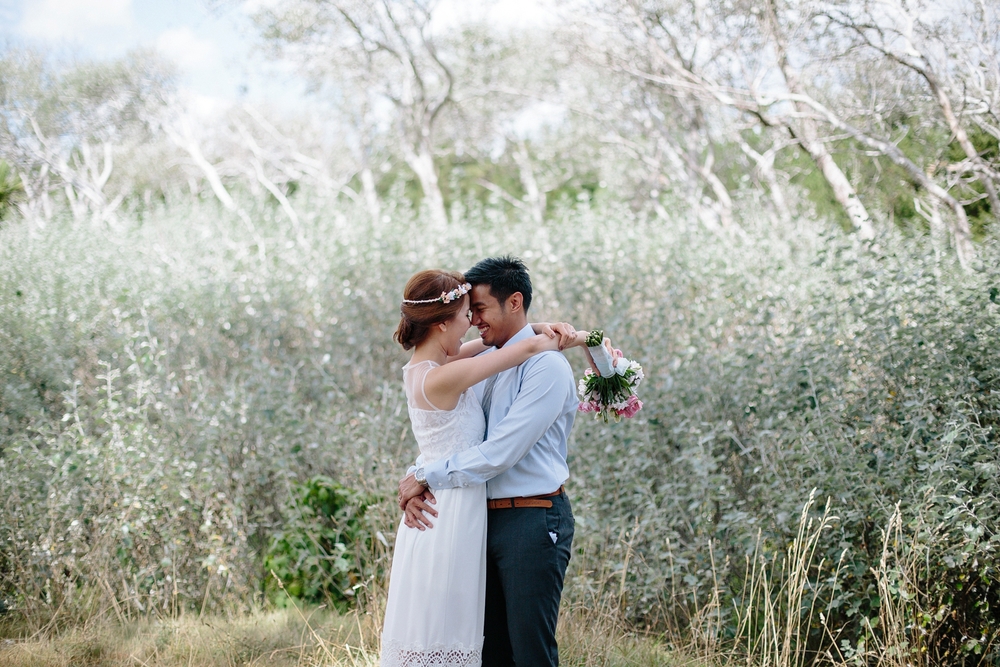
608, 387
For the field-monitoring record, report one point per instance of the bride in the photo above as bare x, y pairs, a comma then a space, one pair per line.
434, 615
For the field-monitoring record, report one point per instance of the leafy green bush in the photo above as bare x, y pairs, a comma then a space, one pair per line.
167, 392
325, 549
156, 408
871, 378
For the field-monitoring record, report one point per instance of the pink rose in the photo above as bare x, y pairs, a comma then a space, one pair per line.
632, 406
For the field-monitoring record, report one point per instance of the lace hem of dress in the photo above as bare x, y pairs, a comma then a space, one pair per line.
395, 654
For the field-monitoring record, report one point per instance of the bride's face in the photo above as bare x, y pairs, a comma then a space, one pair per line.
457, 328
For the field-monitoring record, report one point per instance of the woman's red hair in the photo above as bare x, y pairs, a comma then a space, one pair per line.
418, 318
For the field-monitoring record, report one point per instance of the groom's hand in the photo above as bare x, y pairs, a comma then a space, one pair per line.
409, 487
414, 516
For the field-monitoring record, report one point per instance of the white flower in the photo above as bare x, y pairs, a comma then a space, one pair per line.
639, 375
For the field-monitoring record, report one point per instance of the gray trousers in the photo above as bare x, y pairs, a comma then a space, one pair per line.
525, 568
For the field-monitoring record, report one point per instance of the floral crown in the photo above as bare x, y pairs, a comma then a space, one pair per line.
446, 297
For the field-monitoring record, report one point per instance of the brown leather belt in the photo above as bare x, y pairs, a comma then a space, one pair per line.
524, 501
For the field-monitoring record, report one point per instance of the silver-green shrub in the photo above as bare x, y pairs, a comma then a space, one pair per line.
166, 386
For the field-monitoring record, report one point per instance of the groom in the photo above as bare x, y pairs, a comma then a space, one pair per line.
529, 413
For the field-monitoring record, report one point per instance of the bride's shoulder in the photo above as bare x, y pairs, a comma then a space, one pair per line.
417, 364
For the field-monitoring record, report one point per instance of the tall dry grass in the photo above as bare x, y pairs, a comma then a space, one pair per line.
298, 637
777, 619
283, 637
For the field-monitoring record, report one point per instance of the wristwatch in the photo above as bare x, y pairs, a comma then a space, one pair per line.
420, 476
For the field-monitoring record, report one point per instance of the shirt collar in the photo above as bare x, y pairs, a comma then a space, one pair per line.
526, 332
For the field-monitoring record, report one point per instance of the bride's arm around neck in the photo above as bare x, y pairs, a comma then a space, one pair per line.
443, 385
476, 347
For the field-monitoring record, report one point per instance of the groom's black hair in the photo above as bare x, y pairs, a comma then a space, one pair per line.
505, 275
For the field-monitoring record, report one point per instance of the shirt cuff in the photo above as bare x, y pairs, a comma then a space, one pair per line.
439, 477
435, 475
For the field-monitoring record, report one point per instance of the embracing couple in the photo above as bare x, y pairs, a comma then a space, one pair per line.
481, 552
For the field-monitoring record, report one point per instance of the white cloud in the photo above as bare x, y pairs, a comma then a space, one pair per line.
73, 19
186, 48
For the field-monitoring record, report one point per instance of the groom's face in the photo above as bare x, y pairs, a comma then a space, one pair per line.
489, 316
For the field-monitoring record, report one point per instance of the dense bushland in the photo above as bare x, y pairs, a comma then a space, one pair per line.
871, 378
173, 390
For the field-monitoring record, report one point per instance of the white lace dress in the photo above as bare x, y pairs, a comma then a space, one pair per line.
437, 586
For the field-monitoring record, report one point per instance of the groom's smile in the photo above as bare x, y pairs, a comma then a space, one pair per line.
489, 317
482, 300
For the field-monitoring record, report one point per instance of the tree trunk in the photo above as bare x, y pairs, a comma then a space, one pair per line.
963, 139
723, 201
211, 174
276, 192
961, 234
534, 197
189, 144
765, 167
911, 59
843, 191
421, 161
258, 167
371, 196
77, 207
939, 232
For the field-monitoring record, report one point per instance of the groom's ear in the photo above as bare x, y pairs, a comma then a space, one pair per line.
515, 302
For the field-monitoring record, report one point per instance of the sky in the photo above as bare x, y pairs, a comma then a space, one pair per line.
212, 42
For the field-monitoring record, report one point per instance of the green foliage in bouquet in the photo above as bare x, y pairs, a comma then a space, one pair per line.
610, 389
324, 553
595, 338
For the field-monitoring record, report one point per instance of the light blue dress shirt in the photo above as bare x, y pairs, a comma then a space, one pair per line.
531, 414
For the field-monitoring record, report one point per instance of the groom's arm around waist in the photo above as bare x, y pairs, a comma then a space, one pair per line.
541, 399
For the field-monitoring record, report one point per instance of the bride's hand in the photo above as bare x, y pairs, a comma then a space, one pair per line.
564, 330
